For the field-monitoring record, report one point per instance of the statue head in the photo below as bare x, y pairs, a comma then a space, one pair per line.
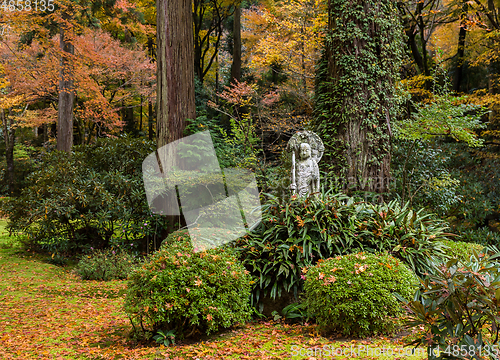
305, 151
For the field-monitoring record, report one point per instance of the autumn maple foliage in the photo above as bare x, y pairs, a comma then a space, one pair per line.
107, 75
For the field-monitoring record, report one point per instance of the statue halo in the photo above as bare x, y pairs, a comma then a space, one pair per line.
308, 137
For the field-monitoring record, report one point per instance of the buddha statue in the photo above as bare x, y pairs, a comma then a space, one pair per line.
307, 148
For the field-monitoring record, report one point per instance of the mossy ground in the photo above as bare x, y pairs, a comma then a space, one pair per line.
48, 313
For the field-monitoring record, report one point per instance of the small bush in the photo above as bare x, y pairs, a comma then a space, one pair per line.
292, 236
461, 250
106, 265
353, 294
187, 292
458, 306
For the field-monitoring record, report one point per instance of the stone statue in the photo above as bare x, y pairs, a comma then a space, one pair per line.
306, 149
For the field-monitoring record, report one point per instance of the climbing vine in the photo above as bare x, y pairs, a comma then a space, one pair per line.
356, 91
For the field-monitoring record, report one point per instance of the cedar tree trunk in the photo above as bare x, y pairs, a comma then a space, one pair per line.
356, 98
175, 69
66, 90
236, 66
9, 136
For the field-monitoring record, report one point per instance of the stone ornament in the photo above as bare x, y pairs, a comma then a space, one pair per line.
306, 149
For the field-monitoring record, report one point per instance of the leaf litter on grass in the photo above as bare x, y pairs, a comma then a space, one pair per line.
48, 313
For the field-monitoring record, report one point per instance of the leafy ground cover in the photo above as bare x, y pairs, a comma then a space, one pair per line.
48, 313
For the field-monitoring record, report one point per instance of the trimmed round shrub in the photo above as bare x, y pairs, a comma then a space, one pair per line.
187, 292
461, 250
177, 237
106, 265
353, 294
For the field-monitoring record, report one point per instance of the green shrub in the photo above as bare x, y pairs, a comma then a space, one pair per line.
24, 160
297, 233
353, 294
461, 250
178, 237
478, 172
483, 236
422, 175
178, 289
106, 265
458, 307
93, 197
292, 236
413, 236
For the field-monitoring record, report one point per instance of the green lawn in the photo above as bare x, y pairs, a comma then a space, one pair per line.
4, 235
48, 313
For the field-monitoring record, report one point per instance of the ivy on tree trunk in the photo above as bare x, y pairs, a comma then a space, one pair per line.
356, 97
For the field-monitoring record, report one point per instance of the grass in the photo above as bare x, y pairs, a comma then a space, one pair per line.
49, 313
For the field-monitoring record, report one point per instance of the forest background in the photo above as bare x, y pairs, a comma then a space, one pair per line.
92, 66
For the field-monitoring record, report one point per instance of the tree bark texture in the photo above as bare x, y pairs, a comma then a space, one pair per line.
236, 66
421, 26
151, 134
362, 66
66, 90
9, 137
175, 69
129, 119
462, 34
494, 65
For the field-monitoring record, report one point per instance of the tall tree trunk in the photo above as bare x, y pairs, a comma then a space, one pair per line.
302, 57
45, 132
421, 27
412, 43
151, 133
175, 69
152, 56
217, 75
66, 89
356, 98
457, 81
208, 18
140, 117
128, 119
175, 83
236, 66
9, 136
494, 65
